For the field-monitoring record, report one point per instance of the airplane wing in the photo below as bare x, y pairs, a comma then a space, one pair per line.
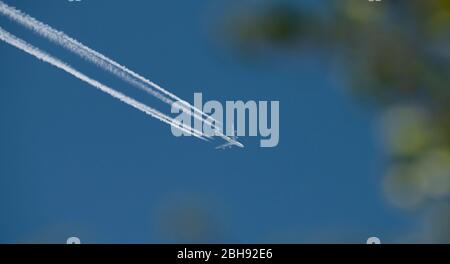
224, 146
232, 141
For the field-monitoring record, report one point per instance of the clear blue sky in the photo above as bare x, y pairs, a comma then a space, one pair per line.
75, 161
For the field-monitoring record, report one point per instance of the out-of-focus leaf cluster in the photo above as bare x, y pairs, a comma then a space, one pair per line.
396, 55
393, 50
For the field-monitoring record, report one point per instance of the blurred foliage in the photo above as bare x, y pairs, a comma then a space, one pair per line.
394, 49
396, 55
189, 218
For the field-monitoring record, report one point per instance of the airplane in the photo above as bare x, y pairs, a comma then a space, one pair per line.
232, 141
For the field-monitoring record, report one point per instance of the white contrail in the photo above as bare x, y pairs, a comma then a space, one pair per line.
100, 60
106, 63
28, 48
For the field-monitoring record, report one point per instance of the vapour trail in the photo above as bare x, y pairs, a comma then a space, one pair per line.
28, 48
101, 60
106, 63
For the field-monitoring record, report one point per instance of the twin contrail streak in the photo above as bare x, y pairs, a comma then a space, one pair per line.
109, 65
100, 60
28, 48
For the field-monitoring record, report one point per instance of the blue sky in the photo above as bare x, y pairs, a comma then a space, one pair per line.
75, 161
